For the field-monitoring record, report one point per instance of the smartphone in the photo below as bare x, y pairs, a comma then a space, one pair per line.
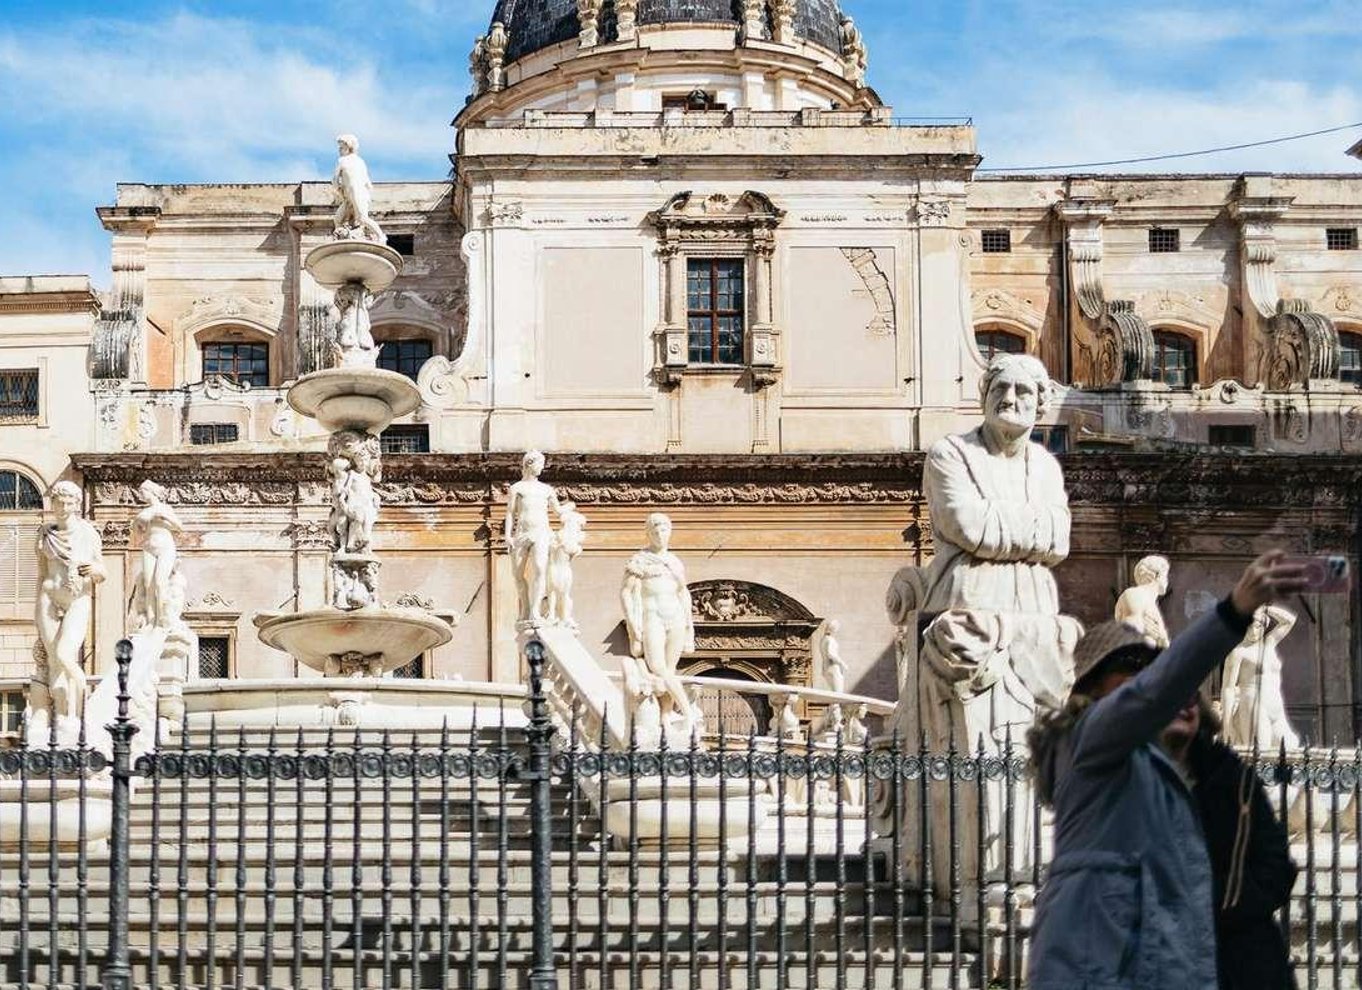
1326, 574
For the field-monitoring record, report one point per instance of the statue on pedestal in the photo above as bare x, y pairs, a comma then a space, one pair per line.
1138, 606
567, 545
157, 524
984, 638
355, 465
70, 564
1251, 701
834, 672
354, 345
855, 55
354, 194
661, 627
529, 538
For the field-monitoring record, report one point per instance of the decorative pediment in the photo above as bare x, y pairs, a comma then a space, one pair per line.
688, 214
1008, 307
1301, 345
744, 602
258, 314
1177, 306
1345, 300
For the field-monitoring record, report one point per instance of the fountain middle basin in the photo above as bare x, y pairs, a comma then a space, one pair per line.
366, 642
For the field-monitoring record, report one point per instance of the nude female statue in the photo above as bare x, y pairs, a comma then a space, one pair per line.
70, 564
1251, 700
1139, 604
157, 524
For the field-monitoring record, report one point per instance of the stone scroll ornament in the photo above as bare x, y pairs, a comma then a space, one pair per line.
1301, 346
984, 641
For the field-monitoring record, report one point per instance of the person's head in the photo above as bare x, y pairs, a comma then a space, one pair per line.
66, 499
150, 492
347, 144
1108, 656
1014, 393
532, 464
659, 528
1153, 570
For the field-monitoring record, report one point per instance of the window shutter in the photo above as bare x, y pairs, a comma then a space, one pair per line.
18, 561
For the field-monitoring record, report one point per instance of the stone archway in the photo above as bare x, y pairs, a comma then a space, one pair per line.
749, 632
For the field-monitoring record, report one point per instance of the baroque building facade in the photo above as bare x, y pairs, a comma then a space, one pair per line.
688, 252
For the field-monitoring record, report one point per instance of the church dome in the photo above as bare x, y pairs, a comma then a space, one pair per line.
536, 24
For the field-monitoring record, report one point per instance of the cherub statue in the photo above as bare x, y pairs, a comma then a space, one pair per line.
355, 467
567, 544
157, 524
1139, 605
1251, 701
70, 565
354, 194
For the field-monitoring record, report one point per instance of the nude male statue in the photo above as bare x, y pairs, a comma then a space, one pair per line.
354, 193
1139, 605
529, 536
657, 614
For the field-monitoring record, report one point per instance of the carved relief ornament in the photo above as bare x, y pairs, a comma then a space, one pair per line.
1125, 346
1301, 345
261, 314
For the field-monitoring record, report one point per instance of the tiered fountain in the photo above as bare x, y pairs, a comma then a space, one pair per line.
357, 636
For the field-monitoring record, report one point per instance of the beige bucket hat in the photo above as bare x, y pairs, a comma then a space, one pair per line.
1104, 640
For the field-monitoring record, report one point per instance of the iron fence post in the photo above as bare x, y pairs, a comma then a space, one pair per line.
117, 968
543, 974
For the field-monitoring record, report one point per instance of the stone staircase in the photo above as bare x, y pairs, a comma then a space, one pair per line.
395, 882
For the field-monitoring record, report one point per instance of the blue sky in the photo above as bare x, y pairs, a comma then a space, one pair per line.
151, 91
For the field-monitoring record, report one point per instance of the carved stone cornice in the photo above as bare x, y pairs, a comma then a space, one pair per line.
1083, 219
1256, 216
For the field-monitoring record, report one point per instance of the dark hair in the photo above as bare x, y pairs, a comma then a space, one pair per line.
1044, 736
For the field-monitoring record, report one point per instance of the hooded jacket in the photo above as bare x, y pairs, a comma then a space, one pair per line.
1128, 903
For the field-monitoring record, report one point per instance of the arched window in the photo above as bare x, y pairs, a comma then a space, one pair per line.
243, 362
1350, 358
1174, 359
992, 342
21, 514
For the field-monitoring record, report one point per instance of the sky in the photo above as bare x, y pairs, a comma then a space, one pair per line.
95, 93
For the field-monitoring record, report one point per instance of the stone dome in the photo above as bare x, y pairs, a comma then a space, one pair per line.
536, 24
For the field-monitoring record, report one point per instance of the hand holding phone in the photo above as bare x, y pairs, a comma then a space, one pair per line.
1325, 574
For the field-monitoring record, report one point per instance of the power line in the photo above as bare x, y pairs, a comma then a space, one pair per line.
1165, 158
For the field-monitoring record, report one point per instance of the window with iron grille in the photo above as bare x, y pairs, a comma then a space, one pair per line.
12, 704
1233, 435
404, 356
19, 395
696, 99
715, 303
1165, 240
414, 670
1174, 360
1350, 358
207, 434
403, 244
996, 241
245, 364
215, 657
1341, 238
991, 343
18, 494
407, 439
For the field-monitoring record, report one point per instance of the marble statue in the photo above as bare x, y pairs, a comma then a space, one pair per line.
993, 644
354, 583
354, 344
661, 626
567, 545
855, 55
529, 537
354, 194
785, 726
853, 740
588, 18
355, 466
834, 671
70, 565
477, 65
626, 20
1251, 702
157, 525
1139, 605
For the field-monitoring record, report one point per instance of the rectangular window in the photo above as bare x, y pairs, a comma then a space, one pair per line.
1165, 240
245, 364
1341, 238
409, 439
403, 244
1237, 435
1055, 439
12, 704
19, 395
207, 434
215, 657
715, 304
415, 670
996, 241
404, 356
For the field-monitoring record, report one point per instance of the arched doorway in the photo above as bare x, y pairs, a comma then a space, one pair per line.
748, 632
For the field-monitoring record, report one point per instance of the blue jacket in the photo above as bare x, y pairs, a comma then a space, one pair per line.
1128, 903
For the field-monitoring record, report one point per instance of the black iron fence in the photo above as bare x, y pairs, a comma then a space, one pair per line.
507, 852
